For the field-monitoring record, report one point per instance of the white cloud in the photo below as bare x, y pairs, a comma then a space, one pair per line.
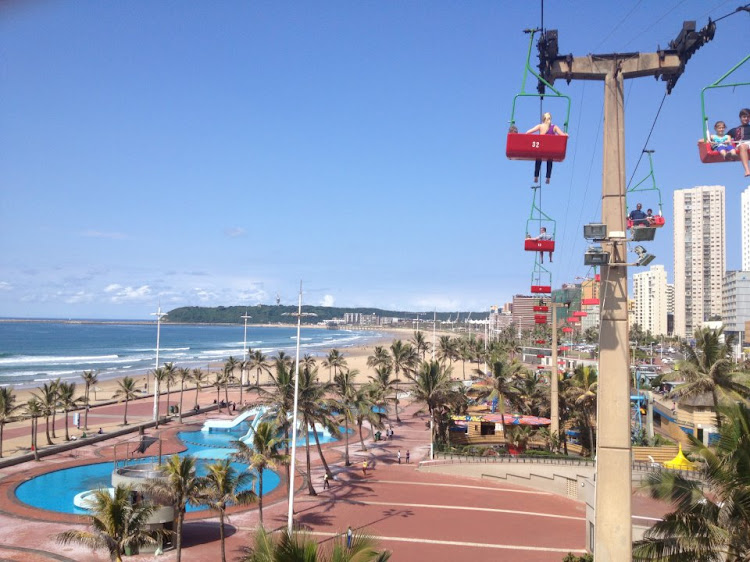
235, 232
327, 300
79, 297
204, 295
5, 286
120, 294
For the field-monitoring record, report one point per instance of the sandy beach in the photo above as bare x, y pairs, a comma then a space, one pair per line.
16, 435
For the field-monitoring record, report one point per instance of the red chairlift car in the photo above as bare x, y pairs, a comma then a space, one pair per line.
707, 154
652, 221
539, 355
522, 146
590, 302
567, 329
540, 341
565, 347
572, 319
541, 308
580, 313
540, 319
540, 367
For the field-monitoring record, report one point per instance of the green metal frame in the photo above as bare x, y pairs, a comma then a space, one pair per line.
653, 182
539, 269
541, 216
528, 69
718, 84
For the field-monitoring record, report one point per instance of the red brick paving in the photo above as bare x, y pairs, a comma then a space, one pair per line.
405, 508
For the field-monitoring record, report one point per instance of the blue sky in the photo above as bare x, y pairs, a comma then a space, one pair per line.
215, 153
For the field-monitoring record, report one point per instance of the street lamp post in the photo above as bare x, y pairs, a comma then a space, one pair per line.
159, 314
244, 350
290, 513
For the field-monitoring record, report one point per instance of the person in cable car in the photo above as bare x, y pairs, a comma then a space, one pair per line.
649, 217
722, 142
638, 216
741, 136
543, 235
546, 127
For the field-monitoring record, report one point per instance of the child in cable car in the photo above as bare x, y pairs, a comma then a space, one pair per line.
741, 136
722, 142
545, 128
649, 217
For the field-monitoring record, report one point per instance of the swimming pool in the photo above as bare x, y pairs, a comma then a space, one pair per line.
205, 446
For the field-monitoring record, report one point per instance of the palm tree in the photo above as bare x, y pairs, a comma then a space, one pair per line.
432, 386
307, 362
364, 400
68, 401
447, 349
263, 455
90, 379
222, 486
126, 389
334, 361
160, 375
179, 486
34, 409
169, 380
380, 357
300, 547
56, 385
404, 360
383, 386
7, 409
184, 375
707, 369
711, 519
500, 387
229, 378
420, 343
259, 362
47, 398
533, 394
280, 397
200, 379
312, 409
116, 524
343, 387
582, 393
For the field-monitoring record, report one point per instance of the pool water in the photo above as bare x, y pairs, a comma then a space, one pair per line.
207, 447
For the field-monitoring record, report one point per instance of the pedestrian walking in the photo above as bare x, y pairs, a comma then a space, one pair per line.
349, 537
364, 468
407, 456
326, 483
399, 456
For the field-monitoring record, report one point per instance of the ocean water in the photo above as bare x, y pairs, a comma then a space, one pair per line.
32, 353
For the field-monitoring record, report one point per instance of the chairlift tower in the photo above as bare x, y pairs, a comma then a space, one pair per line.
612, 524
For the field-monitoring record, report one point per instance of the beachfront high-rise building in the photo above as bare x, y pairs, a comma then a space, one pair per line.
670, 309
736, 305
745, 211
650, 295
699, 256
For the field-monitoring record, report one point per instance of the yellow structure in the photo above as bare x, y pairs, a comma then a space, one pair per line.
680, 462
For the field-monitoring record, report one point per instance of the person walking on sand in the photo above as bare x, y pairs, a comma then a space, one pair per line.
364, 468
407, 457
349, 537
326, 483
398, 456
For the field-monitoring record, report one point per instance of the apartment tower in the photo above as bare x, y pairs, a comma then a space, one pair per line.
699, 256
650, 294
745, 210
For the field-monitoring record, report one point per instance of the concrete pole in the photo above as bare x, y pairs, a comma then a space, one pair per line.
554, 379
613, 528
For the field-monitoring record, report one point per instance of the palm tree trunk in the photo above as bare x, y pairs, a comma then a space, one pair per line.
168, 398
178, 535
395, 401
2, 427
346, 450
221, 535
179, 412
226, 394
46, 429
591, 432
307, 459
67, 435
218, 396
361, 439
260, 495
86, 411
197, 390
34, 435
125, 416
54, 417
320, 453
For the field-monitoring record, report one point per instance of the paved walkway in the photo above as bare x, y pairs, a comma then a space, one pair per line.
416, 515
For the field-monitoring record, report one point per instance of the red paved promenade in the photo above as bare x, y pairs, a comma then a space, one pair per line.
418, 516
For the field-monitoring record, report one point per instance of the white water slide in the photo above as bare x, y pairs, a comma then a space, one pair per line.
248, 437
208, 425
